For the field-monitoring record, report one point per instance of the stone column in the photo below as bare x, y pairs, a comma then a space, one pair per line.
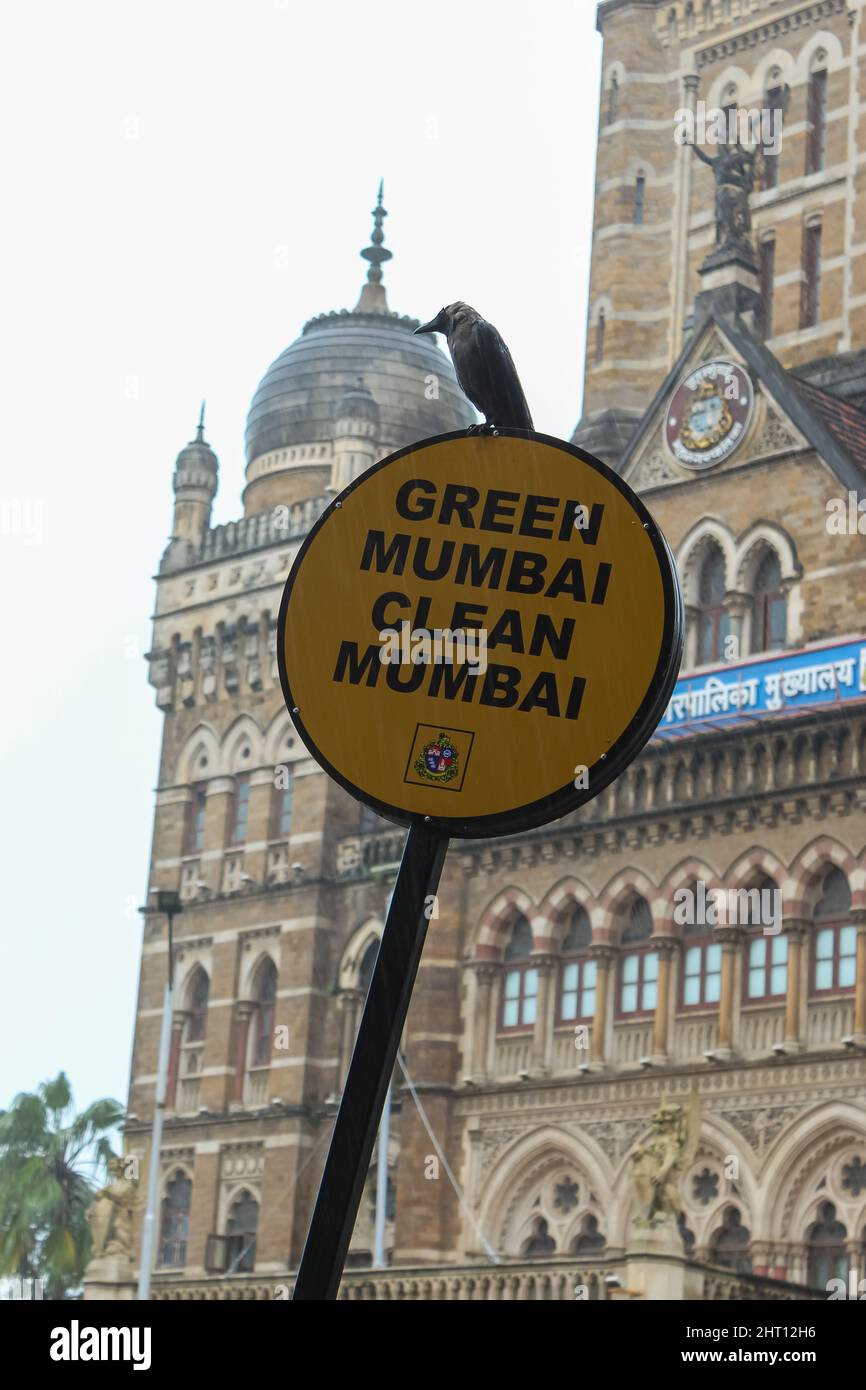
605, 960
542, 1038
177, 1027
731, 940
243, 1013
858, 917
737, 607
666, 947
796, 929
690, 654
259, 823
479, 1022
220, 793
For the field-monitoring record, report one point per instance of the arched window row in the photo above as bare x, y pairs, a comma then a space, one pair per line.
832, 956
727, 626
228, 827
248, 1048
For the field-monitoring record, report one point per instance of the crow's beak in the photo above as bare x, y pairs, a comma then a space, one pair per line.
434, 326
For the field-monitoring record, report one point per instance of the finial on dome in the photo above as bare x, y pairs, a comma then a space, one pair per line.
199, 434
373, 298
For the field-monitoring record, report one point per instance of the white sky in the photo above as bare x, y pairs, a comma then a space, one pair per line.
159, 158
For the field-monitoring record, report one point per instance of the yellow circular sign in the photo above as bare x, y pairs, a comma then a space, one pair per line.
480, 631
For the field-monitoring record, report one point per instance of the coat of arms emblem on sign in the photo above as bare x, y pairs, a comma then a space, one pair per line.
437, 760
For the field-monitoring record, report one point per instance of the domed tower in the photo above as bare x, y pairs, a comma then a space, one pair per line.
409, 392
196, 472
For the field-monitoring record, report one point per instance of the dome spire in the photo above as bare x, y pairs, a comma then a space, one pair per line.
373, 298
199, 434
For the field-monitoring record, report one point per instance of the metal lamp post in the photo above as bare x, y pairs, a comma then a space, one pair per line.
169, 903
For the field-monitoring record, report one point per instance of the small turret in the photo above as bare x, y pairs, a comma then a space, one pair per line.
356, 432
195, 483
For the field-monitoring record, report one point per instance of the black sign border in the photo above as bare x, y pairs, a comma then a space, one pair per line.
622, 752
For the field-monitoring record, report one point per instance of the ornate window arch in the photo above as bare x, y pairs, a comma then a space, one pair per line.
242, 746
174, 1220
242, 1233
770, 606
834, 954
729, 1243
520, 982
701, 970
197, 997
827, 1253
262, 1017
577, 972
638, 962
712, 619
765, 960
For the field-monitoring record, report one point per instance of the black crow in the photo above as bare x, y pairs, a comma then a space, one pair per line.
483, 364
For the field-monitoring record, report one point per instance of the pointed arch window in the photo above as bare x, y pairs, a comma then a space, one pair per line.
774, 102
196, 1029
263, 1014
194, 828
827, 1250
639, 196
766, 282
599, 336
835, 938
240, 809
766, 961
282, 805
817, 120
520, 985
613, 100
730, 1243
577, 972
589, 1239
770, 612
174, 1222
713, 621
810, 283
639, 965
541, 1242
242, 1233
702, 967
365, 969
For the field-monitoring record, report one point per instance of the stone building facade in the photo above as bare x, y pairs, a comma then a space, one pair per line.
562, 996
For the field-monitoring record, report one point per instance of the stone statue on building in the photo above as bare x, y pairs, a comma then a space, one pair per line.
734, 170
111, 1214
657, 1165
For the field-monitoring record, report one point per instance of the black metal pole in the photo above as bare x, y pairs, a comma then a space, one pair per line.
373, 1058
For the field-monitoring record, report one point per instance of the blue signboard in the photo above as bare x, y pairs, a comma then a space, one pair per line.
774, 685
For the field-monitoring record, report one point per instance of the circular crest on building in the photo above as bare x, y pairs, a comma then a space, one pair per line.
709, 414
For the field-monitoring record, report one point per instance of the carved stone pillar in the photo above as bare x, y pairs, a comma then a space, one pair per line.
349, 1002
795, 929
666, 948
243, 1013
479, 1023
737, 607
177, 1027
690, 655
731, 942
605, 960
858, 917
542, 1038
